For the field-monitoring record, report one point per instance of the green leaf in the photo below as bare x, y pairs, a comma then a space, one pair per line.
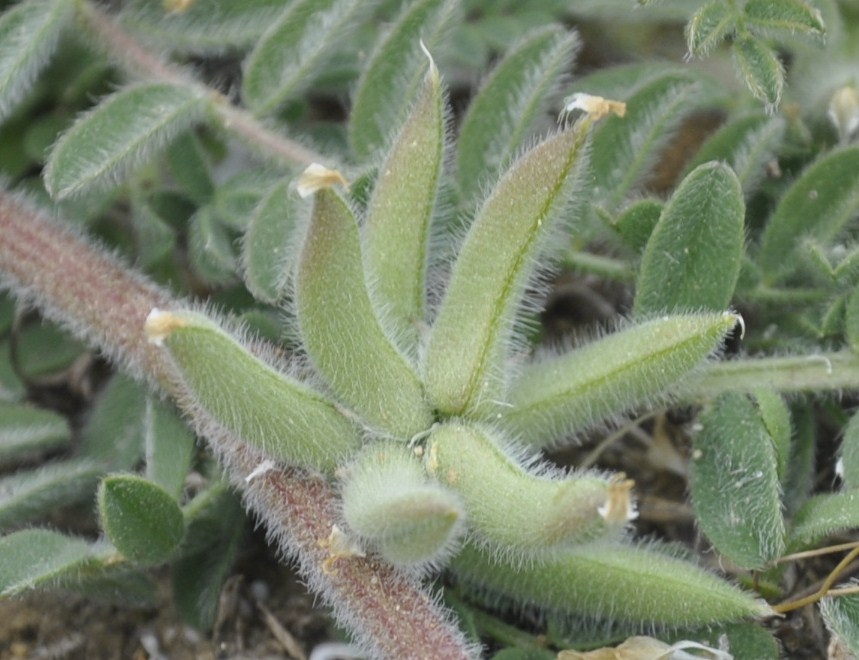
341, 332
155, 239
206, 26
503, 111
393, 71
284, 418
30, 494
189, 166
392, 507
29, 34
397, 229
33, 558
851, 321
265, 246
547, 513
692, 260
169, 447
759, 66
841, 616
819, 204
285, 59
557, 397
237, 198
824, 515
783, 16
215, 523
747, 144
212, 249
44, 348
620, 582
734, 483
626, 148
709, 26
776, 417
117, 135
514, 231
802, 469
140, 518
113, 435
637, 221
26, 430
849, 454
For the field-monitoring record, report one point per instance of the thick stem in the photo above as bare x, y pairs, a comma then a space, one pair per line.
125, 49
92, 293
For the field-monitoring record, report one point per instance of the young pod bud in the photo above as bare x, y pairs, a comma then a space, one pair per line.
522, 513
510, 235
389, 503
340, 328
625, 583
238, 391
572, 392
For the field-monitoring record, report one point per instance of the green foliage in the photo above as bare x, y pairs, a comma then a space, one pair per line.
735, 486
503, 111
385, 336
393, 71
29, 34
265, 247
140, 518
119, 134
701, 228
282, 63
842, 619
29, 430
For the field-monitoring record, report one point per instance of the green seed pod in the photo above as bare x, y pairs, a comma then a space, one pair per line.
269, 410
398, 220
563, 395
341, 331
471, 334
392, 507
522, 513
624, 583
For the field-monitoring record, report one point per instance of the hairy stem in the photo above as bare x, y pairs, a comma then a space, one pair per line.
819, 372
77, 284
137, 60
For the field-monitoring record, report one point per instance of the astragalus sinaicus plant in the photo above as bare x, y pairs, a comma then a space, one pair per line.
418, 405
400, 436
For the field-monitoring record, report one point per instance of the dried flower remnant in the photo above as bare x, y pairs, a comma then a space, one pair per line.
595, 106
844, 111
316, 177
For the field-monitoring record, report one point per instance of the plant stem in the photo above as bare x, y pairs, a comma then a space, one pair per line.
833, 371
596, 264
92, 293
125, 49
